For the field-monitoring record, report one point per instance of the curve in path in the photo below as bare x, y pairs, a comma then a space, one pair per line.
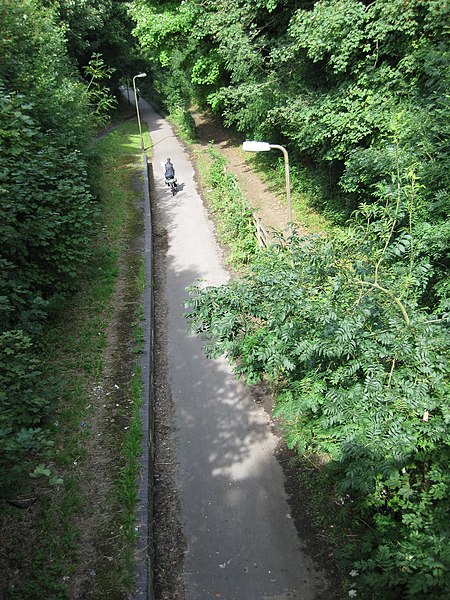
241, 541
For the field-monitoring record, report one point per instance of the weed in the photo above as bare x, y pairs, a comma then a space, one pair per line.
184, 123
234, 219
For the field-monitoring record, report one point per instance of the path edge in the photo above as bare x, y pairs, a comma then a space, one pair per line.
144, 580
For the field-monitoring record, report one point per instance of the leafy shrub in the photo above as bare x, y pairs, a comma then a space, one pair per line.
24, 402
46, 216
363, 376
407, 553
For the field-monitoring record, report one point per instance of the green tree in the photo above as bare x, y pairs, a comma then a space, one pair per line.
98, 27
341, 84
362, 376
48, 117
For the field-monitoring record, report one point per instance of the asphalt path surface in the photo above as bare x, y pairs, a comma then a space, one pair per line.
241, 540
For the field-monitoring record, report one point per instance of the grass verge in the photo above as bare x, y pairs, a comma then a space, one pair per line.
234, 218
77, 537
184, 124
232, 213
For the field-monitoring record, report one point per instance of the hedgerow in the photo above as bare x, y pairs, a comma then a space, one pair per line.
48, 215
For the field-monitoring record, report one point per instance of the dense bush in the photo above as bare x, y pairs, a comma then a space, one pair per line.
46, 214
48, 117
100, 27
362, 374
25, 400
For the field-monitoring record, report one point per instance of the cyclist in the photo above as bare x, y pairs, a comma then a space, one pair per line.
169, 170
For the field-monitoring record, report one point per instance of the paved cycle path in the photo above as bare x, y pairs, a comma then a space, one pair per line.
241, 542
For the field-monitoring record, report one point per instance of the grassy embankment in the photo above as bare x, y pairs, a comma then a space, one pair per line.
229, 204
79, 535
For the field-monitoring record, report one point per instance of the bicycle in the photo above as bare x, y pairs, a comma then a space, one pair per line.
172, 183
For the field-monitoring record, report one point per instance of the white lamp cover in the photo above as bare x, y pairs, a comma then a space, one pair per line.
256, 146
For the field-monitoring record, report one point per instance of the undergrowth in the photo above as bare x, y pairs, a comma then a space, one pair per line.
232, 212
80, 514
184, 123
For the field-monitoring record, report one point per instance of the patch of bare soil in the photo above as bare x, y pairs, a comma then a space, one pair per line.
100, 529
268, 206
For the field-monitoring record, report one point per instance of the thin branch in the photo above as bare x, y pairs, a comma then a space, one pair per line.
391, 372
440, 320
397, 206
391, 295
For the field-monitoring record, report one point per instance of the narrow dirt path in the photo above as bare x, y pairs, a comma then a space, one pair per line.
269, 207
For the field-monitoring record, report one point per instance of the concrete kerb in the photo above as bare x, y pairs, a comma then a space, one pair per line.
144, 584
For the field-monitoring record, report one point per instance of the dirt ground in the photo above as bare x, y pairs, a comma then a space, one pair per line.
270, 207
169, 542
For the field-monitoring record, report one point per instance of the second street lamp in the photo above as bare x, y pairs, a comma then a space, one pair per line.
251, 146
137, 107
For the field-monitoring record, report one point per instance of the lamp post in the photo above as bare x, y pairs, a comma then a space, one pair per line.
137, 107
265, 147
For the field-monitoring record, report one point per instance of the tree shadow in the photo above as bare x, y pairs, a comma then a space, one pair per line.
241, 541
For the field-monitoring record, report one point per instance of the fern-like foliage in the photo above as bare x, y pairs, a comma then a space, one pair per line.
364, 377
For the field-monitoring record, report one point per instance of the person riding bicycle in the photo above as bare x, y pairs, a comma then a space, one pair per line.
169, 171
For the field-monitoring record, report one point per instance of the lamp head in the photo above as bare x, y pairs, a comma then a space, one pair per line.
251, 146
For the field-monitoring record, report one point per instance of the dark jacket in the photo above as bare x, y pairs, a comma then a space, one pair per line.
169, 171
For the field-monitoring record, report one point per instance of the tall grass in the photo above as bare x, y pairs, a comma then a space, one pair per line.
233, 214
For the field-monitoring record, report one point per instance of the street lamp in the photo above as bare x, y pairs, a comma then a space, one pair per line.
265, 147
137, 107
